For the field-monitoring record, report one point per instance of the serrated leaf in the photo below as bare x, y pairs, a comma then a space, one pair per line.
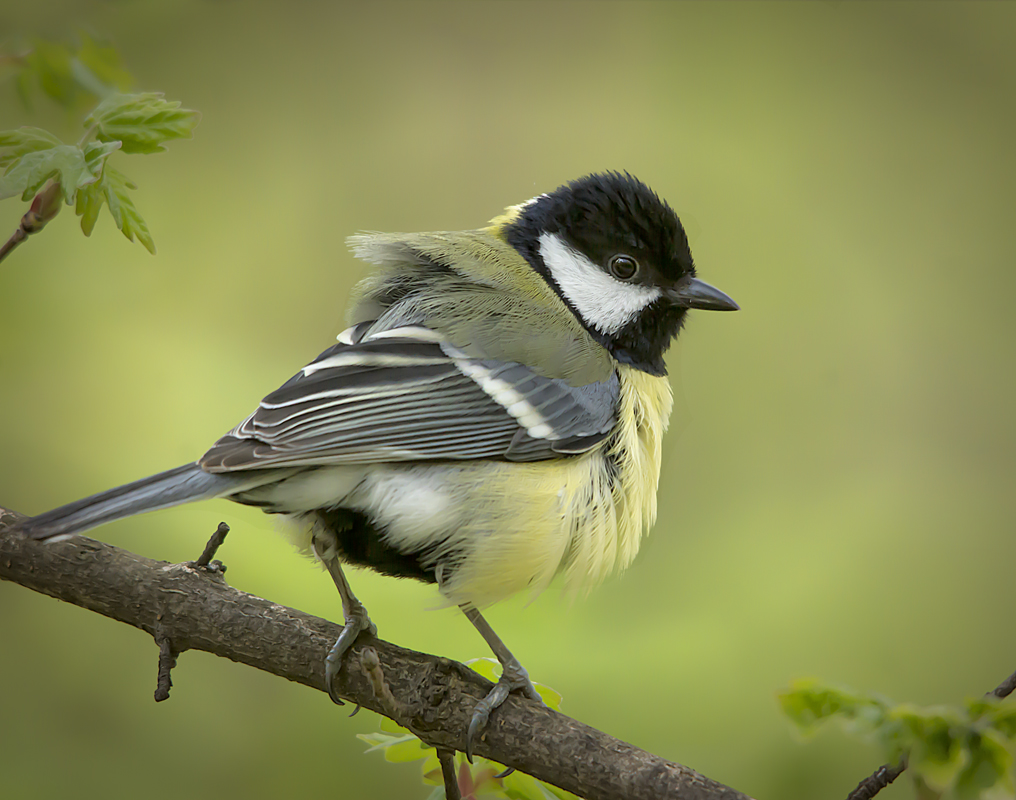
26, 139
141, 121
88, 205
65, 163
115, 188
96, 154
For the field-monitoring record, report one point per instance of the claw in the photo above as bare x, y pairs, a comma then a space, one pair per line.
356, 623
512, 677
353, 610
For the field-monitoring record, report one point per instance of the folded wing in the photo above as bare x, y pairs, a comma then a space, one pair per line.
407, 395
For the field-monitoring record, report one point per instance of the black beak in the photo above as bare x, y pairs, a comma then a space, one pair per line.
693, 293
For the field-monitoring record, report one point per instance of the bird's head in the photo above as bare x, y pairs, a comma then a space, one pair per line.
618, 256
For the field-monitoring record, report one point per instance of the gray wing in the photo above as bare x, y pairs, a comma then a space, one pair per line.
405, 395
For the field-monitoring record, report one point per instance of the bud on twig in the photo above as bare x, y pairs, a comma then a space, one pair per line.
45, 206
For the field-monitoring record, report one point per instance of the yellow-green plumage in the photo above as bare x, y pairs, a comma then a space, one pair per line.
492, 418
521, 524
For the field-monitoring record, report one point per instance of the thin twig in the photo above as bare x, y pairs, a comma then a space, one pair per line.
887, 773
45, 206
1006, 687
167, 660
213, 545
451, 780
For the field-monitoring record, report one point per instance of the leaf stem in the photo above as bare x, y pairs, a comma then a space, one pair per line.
88, 135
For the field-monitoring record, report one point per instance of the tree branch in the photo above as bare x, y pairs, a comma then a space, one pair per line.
191, 607
887, 773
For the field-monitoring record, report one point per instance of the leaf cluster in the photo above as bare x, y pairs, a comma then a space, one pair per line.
965, 753
140, 122
477, 780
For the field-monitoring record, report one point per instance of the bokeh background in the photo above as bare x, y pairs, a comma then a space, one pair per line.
838, 492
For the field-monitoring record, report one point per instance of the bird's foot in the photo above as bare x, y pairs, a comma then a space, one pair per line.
357, 622
513, 677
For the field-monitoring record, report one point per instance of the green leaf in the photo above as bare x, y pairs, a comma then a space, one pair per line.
141, 121
91, 197
551, 697
397, 749
65, 163
934, 740
1001, 715
808, 703
97, 67
989, 773
96, 154
377, 741
20, 141
51, 65
409, 749
88, 205
391, 726
126, 216
964, 753
431, 769
487, 667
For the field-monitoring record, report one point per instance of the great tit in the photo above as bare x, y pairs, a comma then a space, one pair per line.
492, 417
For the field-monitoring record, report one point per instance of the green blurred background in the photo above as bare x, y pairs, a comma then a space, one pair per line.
838, 487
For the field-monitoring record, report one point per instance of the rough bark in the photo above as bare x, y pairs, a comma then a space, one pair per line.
188, 607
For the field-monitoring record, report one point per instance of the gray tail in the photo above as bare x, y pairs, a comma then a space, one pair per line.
171, 488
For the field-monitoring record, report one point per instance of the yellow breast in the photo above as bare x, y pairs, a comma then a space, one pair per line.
581, 517
606, 537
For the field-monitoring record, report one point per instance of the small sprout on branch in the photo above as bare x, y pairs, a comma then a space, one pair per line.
167, 660
964, 752
485, 778
129, 122
214, 543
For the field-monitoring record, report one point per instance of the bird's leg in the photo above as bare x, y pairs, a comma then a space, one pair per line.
513, 676
353, 611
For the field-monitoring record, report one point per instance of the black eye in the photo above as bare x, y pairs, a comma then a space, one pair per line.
623, 267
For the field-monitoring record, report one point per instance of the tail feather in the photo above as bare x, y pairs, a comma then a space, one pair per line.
171, 488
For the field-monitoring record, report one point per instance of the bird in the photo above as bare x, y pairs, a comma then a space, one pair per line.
491, 418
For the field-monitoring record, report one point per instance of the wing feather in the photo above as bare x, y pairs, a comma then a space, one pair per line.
405, 395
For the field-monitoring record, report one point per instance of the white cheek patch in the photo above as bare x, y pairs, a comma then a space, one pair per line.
603, 302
